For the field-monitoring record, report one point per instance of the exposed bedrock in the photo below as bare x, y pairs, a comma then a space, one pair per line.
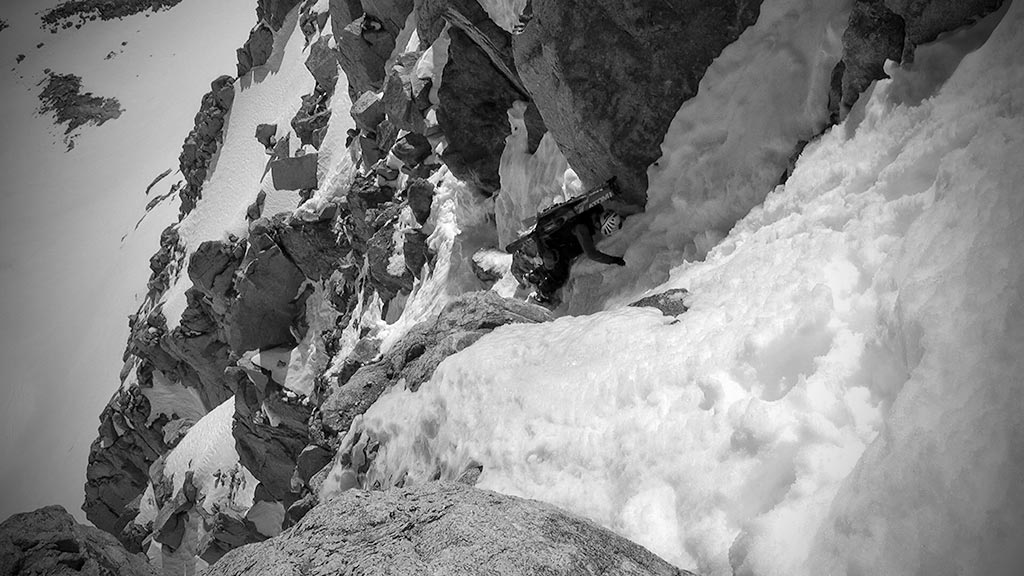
478, 86
608, 76
881, 30
442, 528
413, 359
48, 541
266, 289
274, 11
119, 459
269, 429
203, 141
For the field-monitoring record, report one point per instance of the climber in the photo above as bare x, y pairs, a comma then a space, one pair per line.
545, 262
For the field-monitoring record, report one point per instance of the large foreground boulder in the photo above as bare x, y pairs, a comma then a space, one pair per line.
48, 542
442, 528
609, 76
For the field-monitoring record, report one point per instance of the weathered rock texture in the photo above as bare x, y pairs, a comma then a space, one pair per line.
890, 29
609, 76
413, 359
62, 15
203, 141
48, 542
274, 11
670, 302
443, 528
62, 95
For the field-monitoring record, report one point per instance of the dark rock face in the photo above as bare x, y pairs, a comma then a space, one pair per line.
48, 542
475, 97
62, 95
322, 63
670, 302
261, 314
368, 111
269, 448
203, 141
443, 528
119, 459
890, 29
310, 122
256, 50
406, 97
390, 13
274, 11
317, 248
62, 15
415, 357
609, 76
926, 19
363, 48
295, 173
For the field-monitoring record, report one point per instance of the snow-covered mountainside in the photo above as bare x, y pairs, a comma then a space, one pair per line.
77, 227
810, 362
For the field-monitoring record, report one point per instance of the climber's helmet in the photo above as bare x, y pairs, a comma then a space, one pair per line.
610, 222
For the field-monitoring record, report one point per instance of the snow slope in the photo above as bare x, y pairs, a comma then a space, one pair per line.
73, 261
844, 395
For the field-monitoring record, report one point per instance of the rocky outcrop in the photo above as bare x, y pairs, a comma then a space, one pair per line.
880, 30
269, 429
63, 97
256, 50
266, 287
294, 173
76, 12
478, 86
273, 12
670, 302
48, 542
203, 141
119, 459
443, 528
609, 77
413, 359
310, 121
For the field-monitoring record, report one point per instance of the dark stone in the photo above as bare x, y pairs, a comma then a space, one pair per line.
295, 173
608, 77
412, 149
390, 13
362, 52
311, 460
406, 97
256, 51
669, 302
443, 528
49, 541
421, 196
379, 250
474, 101
260, 316
926, 19
343, 12
274, 11
415, 251
270, 431
322, 63
310, 122
265, 135
368, 112
317, 248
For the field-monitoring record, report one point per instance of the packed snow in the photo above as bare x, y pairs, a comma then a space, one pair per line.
844, 395
73, 250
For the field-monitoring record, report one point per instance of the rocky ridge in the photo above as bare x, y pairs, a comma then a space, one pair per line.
300, 319
63, 97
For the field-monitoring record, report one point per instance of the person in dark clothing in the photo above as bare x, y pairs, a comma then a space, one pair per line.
557, 251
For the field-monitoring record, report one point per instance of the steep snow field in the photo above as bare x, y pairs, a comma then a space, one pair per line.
844, 395
73, 261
